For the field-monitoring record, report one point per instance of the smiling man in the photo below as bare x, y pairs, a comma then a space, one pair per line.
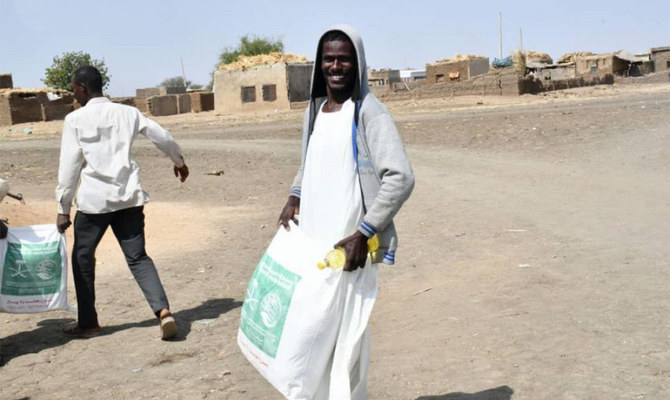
354, 178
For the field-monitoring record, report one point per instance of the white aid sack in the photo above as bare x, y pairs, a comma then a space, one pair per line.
34, 270
292, 314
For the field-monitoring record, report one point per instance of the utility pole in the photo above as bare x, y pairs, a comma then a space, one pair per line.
183, 75
500, 47
521, 39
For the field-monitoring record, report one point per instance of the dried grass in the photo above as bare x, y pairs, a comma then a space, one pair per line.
538, 56
570, 57
458, 58
519, 60
245, 62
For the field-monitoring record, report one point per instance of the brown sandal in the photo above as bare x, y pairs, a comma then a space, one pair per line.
76, 331
168, 327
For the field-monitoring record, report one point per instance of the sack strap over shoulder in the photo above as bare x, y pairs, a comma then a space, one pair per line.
354, 129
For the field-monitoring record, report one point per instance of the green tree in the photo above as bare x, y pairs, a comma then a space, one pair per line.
250, 46
59, 74
175, 81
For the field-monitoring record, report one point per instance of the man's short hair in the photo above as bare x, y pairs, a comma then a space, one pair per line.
336, 36
89, 77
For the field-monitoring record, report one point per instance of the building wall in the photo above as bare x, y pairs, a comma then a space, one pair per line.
533, 85
17, 108
600, 66
166, 90
183, 103
642, 68
228, 86
384, 76
592, 65
147, 92
163, 105
478, 66
557, 73
142, 104
661, 61
497, 82
661, 77
202, 101
299, 81
53, 110
6, 81
33, 106
5, 111
436, 73
466, 69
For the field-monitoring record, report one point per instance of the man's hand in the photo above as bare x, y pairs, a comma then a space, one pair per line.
3, 229
356, 247
181, 173
291, 209
63, 222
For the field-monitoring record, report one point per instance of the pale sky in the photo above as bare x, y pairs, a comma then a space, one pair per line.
142, 41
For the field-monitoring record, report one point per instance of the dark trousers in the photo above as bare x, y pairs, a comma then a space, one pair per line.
128, 227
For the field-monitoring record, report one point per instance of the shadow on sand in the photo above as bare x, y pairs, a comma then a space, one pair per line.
49, 332
499, 393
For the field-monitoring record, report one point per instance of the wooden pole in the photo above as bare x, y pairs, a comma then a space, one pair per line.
500, 46
183, 75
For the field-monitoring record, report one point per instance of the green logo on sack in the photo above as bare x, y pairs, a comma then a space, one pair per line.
31, 269
266, 304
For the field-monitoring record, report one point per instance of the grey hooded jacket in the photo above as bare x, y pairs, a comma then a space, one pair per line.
384, 170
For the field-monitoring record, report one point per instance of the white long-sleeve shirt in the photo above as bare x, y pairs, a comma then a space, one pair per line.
95, 147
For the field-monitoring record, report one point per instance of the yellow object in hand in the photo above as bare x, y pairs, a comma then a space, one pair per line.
336, 258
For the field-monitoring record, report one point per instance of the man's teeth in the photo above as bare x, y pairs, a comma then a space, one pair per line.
337, 76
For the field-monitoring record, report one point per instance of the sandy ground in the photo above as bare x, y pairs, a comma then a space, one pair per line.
533, 261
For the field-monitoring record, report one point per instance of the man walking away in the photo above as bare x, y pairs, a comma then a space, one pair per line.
95, 153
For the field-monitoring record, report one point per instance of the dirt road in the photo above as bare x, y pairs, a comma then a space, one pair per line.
533, 259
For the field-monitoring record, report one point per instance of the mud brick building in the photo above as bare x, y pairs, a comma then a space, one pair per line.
163, 100
167, 90
660, 56
183, 103
163, 105
56, 108
262, 88
19, 106
551, 72
383, 77
202, 101
600, 65
457, 69
145, 93
142, 98
142, 104
6, 81
159, 91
